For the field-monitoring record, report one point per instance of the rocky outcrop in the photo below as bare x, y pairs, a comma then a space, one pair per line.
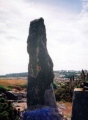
10, 95
40, 68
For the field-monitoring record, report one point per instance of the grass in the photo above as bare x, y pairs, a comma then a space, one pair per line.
12, 82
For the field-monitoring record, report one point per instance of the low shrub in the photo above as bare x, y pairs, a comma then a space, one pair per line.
63, 93
2, 89
7, 111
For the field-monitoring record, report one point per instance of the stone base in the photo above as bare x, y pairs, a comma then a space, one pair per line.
80, 105
46, 113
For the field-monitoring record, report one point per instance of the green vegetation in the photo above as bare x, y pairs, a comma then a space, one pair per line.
69, 74
55, 85
18, 87
3, 89
24, 86
62, 93
7, 111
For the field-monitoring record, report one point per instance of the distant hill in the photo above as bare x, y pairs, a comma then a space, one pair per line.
24, 74
58, 73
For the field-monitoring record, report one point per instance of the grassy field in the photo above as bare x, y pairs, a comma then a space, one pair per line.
12, 82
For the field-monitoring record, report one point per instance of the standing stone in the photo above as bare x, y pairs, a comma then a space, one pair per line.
80, 105
71, 83
83, 76
40, 68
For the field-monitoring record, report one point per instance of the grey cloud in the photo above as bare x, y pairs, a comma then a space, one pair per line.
11, 37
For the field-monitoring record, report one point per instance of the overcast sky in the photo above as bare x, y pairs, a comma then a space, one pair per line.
66, 24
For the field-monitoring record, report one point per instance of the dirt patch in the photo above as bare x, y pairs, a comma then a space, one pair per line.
66, 108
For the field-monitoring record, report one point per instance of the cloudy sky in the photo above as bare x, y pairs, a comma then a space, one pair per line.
66, 26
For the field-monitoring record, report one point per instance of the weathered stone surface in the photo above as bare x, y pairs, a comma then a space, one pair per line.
40, 68
80, 105
10, 95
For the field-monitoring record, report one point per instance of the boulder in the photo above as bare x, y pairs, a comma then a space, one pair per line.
11, 96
